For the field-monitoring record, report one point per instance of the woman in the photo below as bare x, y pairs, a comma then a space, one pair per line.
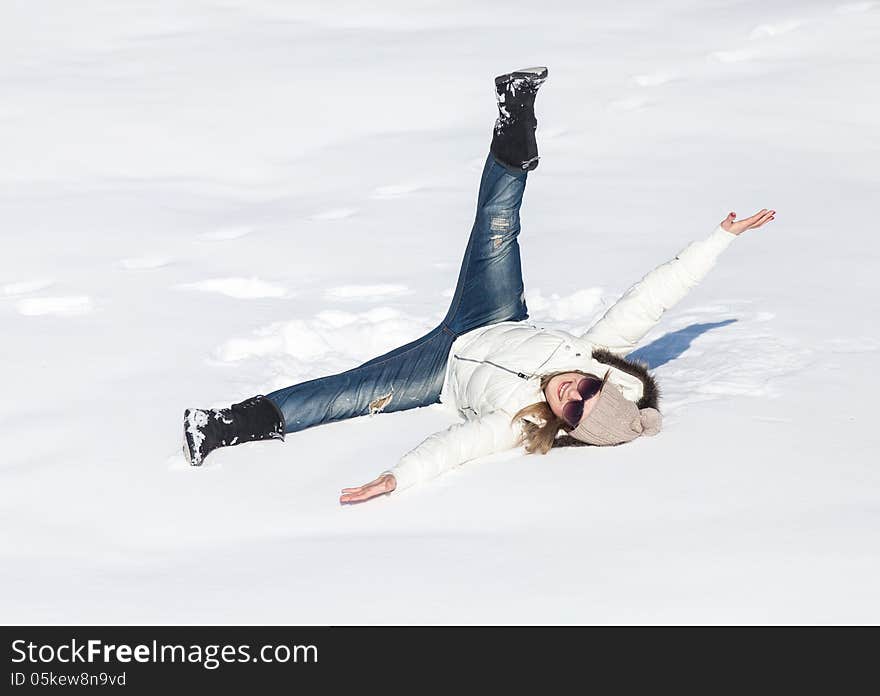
514, 383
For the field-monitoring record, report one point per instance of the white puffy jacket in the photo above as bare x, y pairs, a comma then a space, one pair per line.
495, 370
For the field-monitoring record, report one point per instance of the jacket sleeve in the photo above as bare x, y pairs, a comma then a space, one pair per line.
640, 308
456, 445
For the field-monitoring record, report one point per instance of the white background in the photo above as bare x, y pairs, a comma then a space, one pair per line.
201, 201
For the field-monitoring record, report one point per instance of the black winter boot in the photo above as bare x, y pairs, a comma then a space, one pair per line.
514, 139
204, 430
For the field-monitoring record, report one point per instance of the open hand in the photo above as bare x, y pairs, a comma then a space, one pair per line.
737, 227
384, 484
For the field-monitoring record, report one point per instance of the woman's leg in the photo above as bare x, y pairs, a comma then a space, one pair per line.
489, 290
490, 286
406, 377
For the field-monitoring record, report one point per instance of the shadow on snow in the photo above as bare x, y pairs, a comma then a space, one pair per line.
669, 346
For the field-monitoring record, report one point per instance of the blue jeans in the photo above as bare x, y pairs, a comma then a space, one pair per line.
489, 290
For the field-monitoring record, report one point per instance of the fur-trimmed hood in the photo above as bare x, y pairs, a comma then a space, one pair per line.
651, 392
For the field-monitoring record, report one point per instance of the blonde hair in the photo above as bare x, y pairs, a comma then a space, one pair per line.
542, 436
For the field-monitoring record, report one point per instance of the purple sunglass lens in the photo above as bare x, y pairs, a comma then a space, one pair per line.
588, 387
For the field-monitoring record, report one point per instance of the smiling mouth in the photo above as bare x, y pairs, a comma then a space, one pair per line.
562, 389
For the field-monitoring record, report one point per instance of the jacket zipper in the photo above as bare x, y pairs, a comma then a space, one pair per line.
500, 367
521, 375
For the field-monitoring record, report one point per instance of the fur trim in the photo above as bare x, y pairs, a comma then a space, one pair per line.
651, 394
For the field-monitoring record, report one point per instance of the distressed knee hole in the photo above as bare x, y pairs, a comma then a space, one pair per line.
499, 224
379, 403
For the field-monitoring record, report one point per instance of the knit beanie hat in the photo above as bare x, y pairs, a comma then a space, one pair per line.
615, 419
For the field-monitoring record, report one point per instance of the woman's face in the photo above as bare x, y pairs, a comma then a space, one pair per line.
563, 388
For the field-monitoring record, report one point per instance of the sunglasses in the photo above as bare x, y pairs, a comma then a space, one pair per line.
588, 387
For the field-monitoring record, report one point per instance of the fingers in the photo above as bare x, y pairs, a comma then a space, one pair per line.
754, 218
761, 218
365, 486
354, 495
365, 492
361, 496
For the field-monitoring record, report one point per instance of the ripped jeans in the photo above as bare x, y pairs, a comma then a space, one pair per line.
489, 290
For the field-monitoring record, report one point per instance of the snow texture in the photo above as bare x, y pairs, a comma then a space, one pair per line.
312, 169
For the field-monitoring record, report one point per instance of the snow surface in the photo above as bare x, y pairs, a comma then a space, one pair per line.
312, 168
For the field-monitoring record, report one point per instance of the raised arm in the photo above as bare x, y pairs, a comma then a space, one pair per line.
440, 452
640, 308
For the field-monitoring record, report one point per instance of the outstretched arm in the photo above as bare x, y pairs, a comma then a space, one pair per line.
440, 452
640, 308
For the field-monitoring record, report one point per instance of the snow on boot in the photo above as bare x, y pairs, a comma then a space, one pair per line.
204, 430
514, 141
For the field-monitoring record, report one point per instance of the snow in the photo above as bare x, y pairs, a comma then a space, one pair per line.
365, 292
311, 169
61, 306
243, 288
25, 287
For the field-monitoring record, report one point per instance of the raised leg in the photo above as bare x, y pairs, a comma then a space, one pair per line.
489, 290
490, 286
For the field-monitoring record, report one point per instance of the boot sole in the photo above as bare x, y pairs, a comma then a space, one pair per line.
537, 74
185, 448
187, 452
